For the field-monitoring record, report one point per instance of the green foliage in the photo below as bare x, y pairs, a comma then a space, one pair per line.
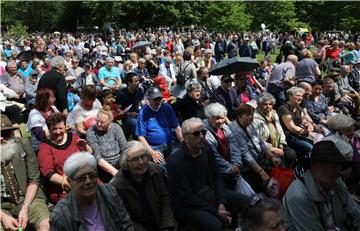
17, 30
226, 16
216, 15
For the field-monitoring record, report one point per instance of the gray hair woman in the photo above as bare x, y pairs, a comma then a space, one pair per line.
99, 204
222, 142
137, 174
267, 124
190, 105
296, 123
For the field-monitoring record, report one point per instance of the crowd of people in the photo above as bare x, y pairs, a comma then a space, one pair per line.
133, 131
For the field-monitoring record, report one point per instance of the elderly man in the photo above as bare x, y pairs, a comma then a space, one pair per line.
55, 80
21, 195
89, 206
141, 186
109, 75
196, 186
319, 200
14, 80
354, 76
282, 77
155, 125
166, 69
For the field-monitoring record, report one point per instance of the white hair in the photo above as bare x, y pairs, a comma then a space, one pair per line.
293, 90
215, 109
340, 121
129, 146
185, 127
78, 160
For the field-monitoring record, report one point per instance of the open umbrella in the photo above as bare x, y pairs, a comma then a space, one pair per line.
234, 65
141, 44
29, 55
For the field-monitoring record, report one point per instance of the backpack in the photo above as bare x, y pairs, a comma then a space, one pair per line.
180, 77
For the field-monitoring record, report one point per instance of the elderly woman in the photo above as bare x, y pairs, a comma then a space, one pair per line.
297, 124
256, 149
190, 105
307, 70
140, 185
265, 213
54, 151
85, 111
89, 206
267, 125
108, 141
222, 142
44, 106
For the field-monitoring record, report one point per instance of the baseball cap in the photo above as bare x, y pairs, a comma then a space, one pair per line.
154, 93
336, 69
226, 78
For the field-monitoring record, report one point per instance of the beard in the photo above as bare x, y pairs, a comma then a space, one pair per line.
8, 150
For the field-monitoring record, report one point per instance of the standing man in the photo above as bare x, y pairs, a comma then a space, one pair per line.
282, 78
196, 186
55, 80
21, 195
220, 48
246, 50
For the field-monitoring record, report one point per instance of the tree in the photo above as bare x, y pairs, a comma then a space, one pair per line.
226, 16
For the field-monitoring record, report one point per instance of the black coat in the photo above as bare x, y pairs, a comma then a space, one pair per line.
186, 108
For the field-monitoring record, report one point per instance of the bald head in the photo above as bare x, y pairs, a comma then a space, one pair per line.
292, 58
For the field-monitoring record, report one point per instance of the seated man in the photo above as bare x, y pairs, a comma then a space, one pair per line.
131, 96
14, 80
21, 196
320, 200
89, 206
196, 185
155, 125
141, 187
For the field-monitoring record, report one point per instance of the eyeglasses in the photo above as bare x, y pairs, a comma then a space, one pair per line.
144, 157
75, 62
197, 133
92, 176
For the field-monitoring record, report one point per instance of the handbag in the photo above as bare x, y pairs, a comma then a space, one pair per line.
243, 187
281, 178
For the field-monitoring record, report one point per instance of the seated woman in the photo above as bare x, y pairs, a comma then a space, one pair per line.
85, 111
317, 106
140, 185
221, 140
267, 125
296, 123
243, 90
44, 106
266, 213
108, 141
190, 105
256, 150
54, 151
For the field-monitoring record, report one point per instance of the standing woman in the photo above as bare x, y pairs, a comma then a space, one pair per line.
44, 106
108, 141
320, 54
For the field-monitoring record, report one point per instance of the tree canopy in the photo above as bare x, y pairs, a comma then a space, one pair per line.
217, 16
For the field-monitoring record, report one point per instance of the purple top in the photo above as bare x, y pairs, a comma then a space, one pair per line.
92, 217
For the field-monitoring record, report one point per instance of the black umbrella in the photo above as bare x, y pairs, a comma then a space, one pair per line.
234, 65
30, 54
141, 44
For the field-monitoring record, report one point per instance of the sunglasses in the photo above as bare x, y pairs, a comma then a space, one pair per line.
197, 133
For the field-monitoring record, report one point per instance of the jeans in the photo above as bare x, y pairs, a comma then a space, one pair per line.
129, 124
301, 145
278, 93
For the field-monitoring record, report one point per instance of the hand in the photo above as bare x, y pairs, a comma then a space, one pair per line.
81, 143
276, 161
318, 129
8, 222
277, 151
324, 120
224, 215
235, 169
331, 109
157, 157
23, 216
264, 176
309, 128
